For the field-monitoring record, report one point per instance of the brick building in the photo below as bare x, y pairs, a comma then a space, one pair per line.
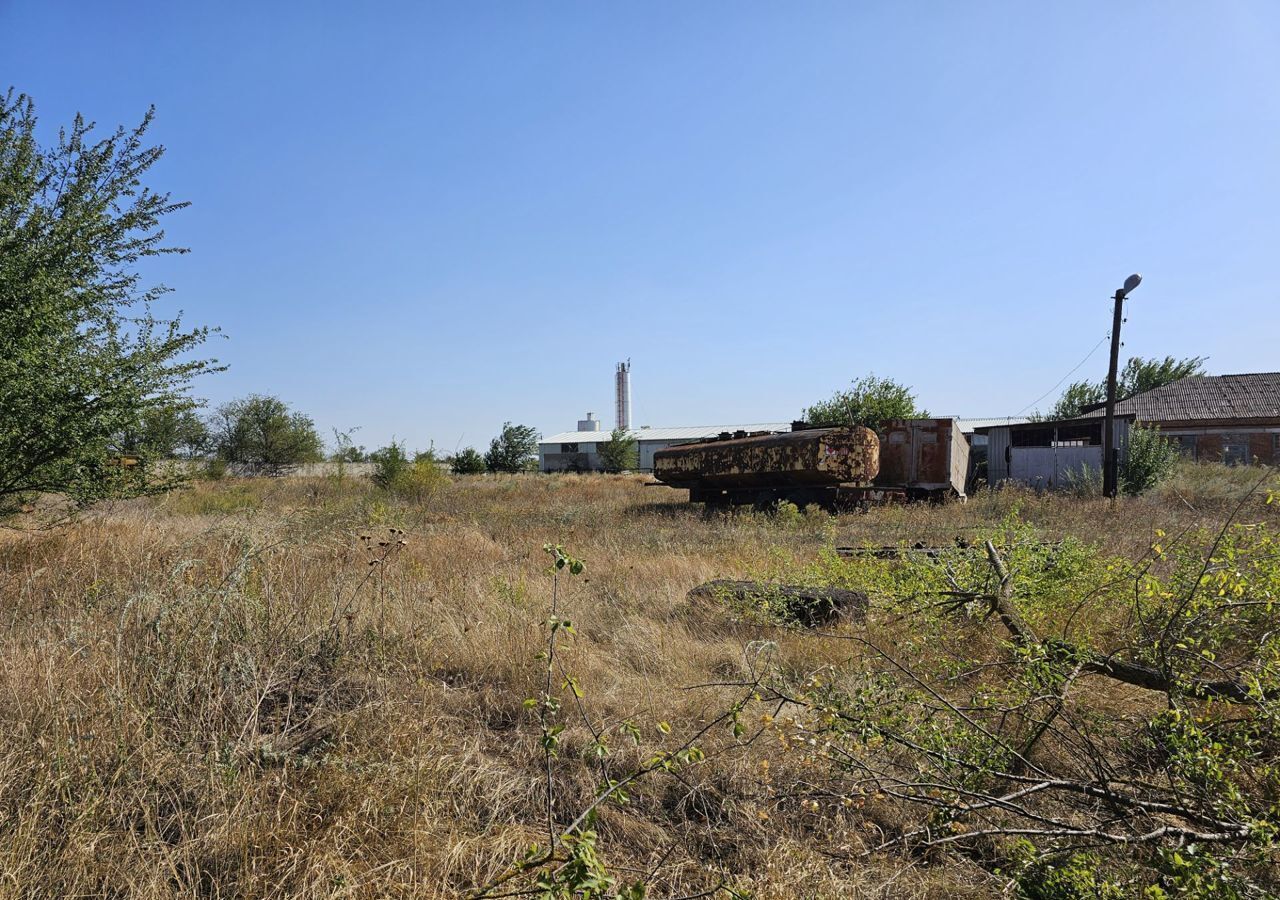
1214, 418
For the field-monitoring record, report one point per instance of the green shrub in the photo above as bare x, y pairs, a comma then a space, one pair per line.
214, 470
397, 474
1150, 459
422, 480
391, 464
1077, 877
346, 450
786, 513
468, 462
84, 362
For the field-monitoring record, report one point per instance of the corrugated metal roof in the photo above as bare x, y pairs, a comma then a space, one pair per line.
1205, 397
688, 433
969, 426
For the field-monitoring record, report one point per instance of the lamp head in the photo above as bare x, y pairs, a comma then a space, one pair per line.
1129, 284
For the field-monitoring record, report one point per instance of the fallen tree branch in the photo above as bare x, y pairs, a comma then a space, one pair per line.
1002, 601
1132, 673
890, 551
1170, 832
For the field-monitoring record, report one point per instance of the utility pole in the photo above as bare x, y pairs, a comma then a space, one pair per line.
1110, 456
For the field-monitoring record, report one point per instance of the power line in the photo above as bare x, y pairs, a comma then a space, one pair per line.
1105, 337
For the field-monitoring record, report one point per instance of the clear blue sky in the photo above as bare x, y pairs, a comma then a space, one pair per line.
427, 218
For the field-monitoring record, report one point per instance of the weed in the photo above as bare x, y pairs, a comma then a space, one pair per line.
252, 688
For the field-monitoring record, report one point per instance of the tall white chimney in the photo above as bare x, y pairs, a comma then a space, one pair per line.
622, 383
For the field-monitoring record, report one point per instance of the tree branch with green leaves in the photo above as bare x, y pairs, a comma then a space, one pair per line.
84, 358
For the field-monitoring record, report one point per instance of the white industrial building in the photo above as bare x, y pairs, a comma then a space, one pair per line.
576, 451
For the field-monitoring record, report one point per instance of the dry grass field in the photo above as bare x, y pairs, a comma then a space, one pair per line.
307, 688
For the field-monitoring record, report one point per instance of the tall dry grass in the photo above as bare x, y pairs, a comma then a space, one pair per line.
304, 688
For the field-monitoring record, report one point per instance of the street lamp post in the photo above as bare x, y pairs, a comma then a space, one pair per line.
1110, 458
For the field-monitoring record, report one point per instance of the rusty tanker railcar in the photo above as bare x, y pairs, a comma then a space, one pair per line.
833, 467
814, 465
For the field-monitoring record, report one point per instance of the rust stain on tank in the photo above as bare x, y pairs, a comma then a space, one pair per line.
817, 456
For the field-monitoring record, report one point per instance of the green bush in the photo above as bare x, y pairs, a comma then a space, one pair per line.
346, 450
214, 469
391, 464
422, 480
414, 479
1150, 459
1076, 877
786, 513
468, 462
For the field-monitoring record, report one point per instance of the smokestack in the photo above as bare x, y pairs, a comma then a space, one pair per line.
622, 383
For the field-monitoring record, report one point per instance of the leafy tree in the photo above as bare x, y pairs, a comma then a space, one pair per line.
192, 439
870, 401
1078, 397
165, 432
620, 452
1141, 374
262, 434
1138, 375
468, 461
83, 358
514, 450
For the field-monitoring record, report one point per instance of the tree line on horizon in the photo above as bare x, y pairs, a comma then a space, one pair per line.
261, 434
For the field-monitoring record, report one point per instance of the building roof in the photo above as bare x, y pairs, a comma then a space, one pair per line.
1035, 424
689, 433
1200, 398
969, 426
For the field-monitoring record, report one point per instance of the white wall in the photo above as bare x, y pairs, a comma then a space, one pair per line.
646, 449
1044, 466
549, 457
1053, 467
